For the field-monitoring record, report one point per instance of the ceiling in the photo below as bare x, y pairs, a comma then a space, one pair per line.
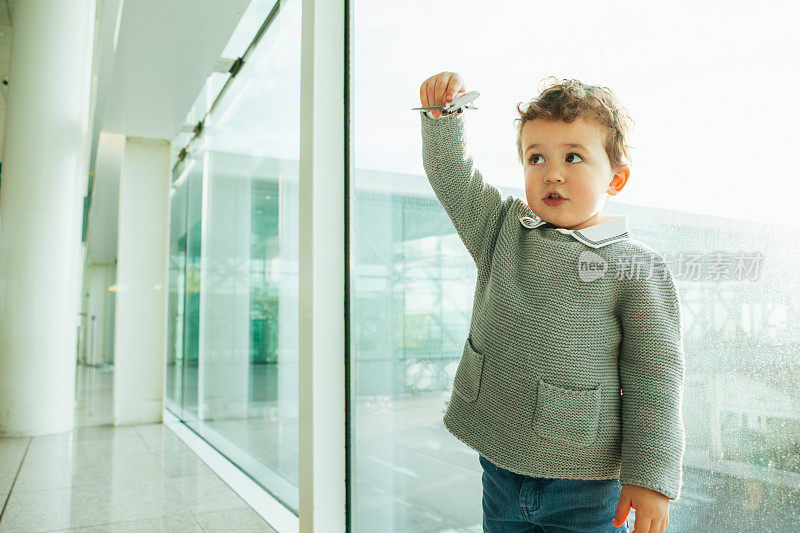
164, 53
151, 59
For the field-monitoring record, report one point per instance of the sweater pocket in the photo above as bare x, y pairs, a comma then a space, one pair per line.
467, 381
566, 415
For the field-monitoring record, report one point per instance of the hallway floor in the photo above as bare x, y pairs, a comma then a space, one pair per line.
107, 479
98, 479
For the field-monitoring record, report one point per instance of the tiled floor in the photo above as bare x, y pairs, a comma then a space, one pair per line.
115, 479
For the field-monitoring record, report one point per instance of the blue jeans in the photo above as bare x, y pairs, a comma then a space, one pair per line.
524, 504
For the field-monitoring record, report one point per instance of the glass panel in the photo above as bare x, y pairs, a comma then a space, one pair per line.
241, 327
176, 301
191, 324
693, 78
202, 104
205, 99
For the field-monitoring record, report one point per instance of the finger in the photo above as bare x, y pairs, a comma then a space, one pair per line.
429, 91
662, 526
440, 86
621, 514
423, 96
453, 87
425, 92
641, 524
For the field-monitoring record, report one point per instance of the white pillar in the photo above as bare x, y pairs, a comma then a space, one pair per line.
141, 300
41, 206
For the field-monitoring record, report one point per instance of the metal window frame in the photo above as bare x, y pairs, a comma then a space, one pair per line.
235, 67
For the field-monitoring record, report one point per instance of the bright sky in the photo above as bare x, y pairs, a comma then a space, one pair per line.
711, 86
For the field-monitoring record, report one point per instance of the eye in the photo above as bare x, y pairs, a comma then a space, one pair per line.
530, 159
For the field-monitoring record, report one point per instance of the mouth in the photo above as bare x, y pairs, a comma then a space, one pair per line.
553, 196
554, 199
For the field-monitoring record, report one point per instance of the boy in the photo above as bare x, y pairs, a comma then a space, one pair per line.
570, 385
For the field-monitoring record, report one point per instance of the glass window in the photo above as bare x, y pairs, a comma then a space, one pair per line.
711, 90
184, 296
177, 287
240, 321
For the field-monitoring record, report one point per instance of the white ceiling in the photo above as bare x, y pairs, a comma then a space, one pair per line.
165, 52
151, 60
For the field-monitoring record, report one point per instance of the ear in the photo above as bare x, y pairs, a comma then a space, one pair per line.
619, 179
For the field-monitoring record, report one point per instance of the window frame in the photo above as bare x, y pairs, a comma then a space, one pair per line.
323, 424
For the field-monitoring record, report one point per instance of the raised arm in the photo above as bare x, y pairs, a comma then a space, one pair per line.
474, 206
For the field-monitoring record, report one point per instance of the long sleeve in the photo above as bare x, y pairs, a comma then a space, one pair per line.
474, 206
652, 372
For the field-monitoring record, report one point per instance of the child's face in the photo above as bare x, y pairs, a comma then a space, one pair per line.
581, 174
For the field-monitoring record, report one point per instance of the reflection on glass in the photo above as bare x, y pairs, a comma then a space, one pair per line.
191, 322
413, 281
240, 342
176, 301
184, 273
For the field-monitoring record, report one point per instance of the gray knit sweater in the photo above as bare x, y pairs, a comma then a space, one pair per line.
560, 377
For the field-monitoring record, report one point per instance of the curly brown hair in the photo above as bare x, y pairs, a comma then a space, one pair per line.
569, 99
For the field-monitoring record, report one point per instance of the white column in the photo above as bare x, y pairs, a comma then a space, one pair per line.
41, 206
321, 272
140, 341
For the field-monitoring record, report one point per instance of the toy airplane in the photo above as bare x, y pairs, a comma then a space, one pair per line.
456, 105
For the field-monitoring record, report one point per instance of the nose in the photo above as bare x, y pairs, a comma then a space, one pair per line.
554, 177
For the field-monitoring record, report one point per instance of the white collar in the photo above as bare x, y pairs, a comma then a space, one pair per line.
612, 230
